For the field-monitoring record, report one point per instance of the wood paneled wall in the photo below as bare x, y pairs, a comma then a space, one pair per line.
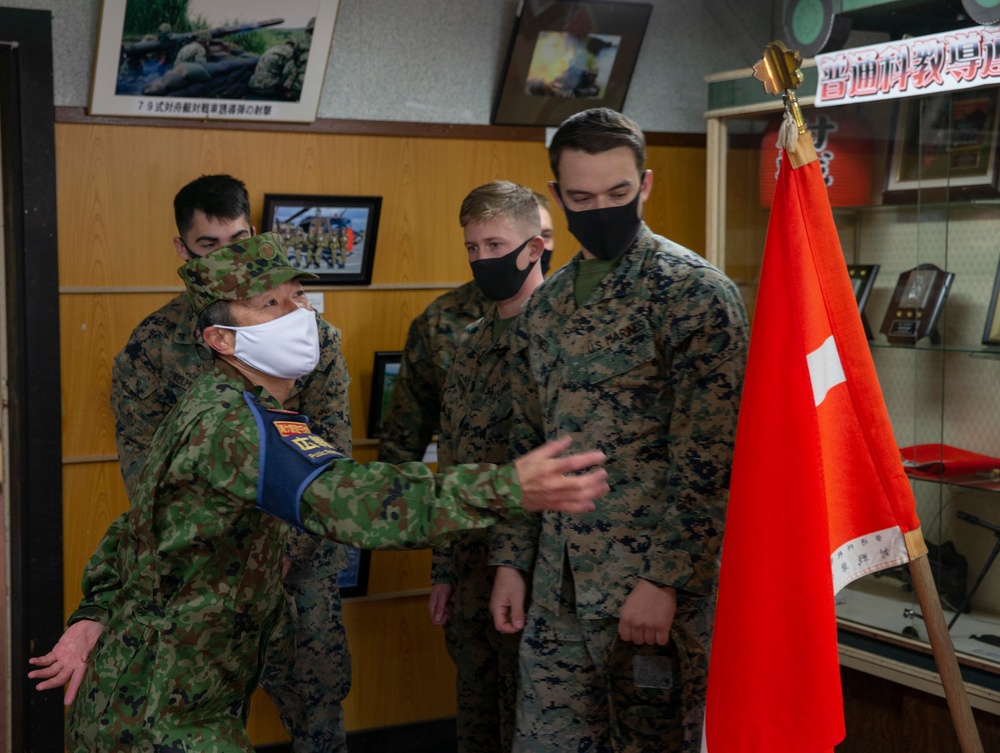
116, 264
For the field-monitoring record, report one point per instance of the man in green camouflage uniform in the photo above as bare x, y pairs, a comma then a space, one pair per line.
194, 588
637, 346
294, 72
266, 81
195, 51
502, 235
308, 670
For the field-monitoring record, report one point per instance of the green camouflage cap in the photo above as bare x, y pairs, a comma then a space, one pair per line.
238, 271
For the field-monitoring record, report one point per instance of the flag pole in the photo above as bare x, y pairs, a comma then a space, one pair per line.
780, 72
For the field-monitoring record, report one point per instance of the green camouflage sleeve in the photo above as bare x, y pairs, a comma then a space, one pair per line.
514, 543
415, 405
709, 337
102, 576
380, 506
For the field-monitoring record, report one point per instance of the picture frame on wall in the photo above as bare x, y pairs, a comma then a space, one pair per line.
353, 579
565, 57
214, 60
384, 373
333, 237
991, 332
945, 147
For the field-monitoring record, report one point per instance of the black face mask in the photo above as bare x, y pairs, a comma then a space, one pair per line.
545, 260
608, 231
500, 279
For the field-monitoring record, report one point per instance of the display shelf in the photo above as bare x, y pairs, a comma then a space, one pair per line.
935, 393
883, 604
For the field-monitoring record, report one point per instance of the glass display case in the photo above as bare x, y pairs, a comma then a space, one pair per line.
914, 190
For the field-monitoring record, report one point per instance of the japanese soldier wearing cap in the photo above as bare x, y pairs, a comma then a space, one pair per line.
197, 586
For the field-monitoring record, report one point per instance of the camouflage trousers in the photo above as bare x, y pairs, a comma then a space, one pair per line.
307, 669
584, 689
485, 685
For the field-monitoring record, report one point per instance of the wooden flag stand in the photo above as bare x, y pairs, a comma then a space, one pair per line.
779, 71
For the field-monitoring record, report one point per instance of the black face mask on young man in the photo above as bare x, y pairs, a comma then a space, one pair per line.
499, 278
608, 231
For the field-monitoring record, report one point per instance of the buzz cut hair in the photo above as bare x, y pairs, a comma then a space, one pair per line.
220, 197
596, 131
542, 200
501, 200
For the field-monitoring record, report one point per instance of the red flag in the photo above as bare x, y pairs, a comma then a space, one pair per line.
817, 484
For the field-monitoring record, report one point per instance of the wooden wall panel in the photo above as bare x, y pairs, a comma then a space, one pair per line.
93, 496
93, 329
115, 192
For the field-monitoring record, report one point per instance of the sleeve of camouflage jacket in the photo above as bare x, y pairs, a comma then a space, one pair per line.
101, 576
415, 405
514, 543
380, 506
709, 344
323, 398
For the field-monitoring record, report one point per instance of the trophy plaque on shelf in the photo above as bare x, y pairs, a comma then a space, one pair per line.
862, 280
916, 305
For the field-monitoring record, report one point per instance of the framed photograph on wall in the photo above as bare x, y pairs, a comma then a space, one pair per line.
331, 236
212, 60
565, 57
945, 145
384, 373
353, 579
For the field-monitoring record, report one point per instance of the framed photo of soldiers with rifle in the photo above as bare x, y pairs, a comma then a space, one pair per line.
331, 236
212, 60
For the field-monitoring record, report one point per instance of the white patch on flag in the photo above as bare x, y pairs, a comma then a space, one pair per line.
868, 554
825, 370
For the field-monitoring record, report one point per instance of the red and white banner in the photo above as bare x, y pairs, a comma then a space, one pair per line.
818, 495
959, 59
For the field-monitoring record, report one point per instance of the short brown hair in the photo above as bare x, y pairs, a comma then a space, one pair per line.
594, 131
501, 200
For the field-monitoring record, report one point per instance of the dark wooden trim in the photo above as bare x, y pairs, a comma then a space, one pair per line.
362, 128
34, 488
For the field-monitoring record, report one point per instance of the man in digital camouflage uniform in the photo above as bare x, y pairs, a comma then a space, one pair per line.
266, 81
637, 346
294, 72
414, 411
196, 587
503, 238
308, 670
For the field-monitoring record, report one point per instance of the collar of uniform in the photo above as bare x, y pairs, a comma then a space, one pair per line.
479, 334
186, 327
266, 399
621, 280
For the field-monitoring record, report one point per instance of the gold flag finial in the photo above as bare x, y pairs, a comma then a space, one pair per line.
780, 71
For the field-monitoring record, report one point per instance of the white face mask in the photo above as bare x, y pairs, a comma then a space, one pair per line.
286, 347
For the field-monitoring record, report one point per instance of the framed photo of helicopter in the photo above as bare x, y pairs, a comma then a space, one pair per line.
212, 60
331, 236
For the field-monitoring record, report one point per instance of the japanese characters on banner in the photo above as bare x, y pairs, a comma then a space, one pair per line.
940, 62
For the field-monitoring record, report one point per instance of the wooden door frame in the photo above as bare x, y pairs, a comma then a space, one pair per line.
33, 491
